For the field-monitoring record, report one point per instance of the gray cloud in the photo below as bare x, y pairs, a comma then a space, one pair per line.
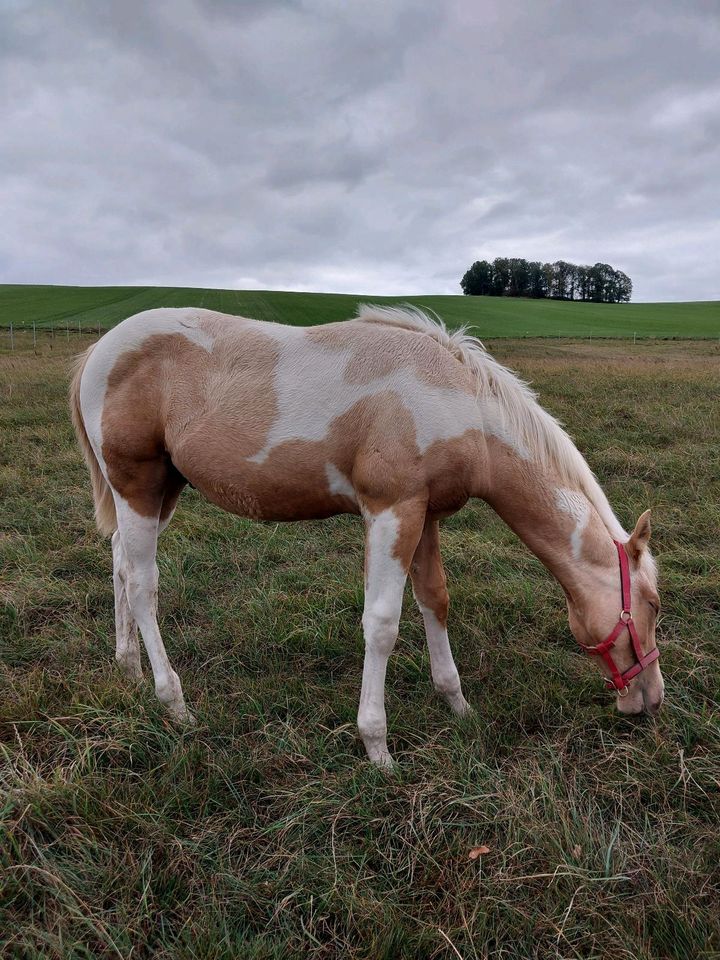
375, 147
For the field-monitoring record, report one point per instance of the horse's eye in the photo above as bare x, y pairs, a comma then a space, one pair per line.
655, 607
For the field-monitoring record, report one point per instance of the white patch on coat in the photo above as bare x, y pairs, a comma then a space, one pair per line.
311, 392
129, 335
382, 534
338, 483
384, 584
577, 506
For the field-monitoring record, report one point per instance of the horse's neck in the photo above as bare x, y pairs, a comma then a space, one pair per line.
555, 520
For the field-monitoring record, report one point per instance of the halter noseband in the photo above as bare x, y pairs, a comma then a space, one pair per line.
620, 680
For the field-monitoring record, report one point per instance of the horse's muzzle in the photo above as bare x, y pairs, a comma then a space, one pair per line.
652, 704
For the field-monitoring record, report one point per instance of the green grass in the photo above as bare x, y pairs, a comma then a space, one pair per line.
93, 307
263, 833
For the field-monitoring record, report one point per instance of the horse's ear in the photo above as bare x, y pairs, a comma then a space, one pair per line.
640, 537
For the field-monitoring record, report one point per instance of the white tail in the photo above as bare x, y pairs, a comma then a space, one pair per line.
105, 516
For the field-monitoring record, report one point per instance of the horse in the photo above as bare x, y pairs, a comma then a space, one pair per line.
388, 416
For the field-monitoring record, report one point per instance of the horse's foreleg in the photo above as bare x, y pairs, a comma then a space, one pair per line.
431, 593
138, 535
391, 536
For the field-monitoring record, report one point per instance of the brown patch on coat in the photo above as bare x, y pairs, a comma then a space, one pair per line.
411, 515
378, 351
133, 423
512, 481
428, 574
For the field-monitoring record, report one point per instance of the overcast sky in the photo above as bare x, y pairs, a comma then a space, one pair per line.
363, 146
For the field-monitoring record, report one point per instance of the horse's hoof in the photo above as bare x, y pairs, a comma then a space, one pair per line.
383, 761
131, 669
463, 709
181, 715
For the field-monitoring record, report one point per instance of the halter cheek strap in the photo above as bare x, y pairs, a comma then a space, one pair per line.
619, 681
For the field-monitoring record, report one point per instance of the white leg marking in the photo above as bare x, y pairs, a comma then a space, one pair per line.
127, 645
139, 541
385, 582
446, 678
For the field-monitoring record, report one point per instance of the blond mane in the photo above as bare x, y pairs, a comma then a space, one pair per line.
525, 419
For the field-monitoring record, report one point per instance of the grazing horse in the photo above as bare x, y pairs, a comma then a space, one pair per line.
388, 416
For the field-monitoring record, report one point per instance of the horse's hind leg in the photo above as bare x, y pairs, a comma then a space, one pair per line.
138, 535
431, 593
127, 644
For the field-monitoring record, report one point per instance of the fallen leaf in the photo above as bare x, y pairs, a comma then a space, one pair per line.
478, 852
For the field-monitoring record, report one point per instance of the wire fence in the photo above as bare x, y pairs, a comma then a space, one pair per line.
67, 337
29, 337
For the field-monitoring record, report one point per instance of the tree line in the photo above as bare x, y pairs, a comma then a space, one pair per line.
515, 277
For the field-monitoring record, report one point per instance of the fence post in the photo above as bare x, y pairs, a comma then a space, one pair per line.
12, 339
34, 339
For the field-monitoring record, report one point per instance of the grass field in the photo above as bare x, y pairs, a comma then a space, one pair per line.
263, 833
101, 307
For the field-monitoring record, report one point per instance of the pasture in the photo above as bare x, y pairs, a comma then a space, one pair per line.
93, 308
263, 832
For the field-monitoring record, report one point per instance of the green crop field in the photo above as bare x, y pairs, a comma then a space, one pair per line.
102, 307
263, 833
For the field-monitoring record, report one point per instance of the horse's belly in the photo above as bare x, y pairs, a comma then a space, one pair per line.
294, 486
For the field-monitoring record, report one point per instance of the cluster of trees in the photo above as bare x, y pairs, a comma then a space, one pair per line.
515, 277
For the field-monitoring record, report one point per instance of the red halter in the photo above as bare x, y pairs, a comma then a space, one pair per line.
619, 680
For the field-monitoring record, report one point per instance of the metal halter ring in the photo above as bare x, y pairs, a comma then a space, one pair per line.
626, 616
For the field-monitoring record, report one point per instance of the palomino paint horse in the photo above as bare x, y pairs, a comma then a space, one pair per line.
388, 416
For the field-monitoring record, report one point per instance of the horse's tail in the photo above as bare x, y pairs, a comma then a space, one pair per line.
105, 515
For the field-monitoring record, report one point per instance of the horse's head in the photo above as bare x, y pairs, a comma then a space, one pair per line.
614, 618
